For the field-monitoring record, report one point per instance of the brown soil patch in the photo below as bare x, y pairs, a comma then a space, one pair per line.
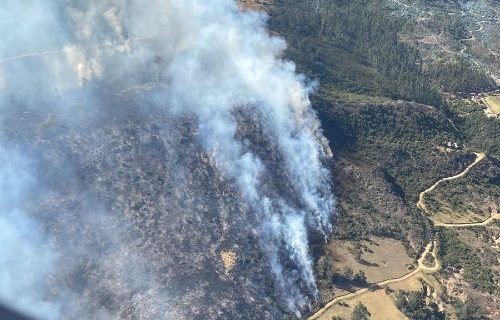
229, 259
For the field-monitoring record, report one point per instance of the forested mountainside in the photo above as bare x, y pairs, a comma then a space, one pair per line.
395, 82
252, 159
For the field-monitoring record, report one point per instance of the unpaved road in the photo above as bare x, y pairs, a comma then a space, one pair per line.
429, 249
422, 206
421, 199
426, 15
420, 267
472, 35
468, 225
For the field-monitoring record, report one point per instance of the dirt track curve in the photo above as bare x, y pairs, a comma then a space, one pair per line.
421, 198
420, 267
429, 249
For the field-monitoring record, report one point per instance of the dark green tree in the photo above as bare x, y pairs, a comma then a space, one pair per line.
360, 278
470, 310
347, 273
360, 312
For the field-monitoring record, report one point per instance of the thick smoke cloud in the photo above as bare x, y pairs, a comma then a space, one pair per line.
205, 58
26, 257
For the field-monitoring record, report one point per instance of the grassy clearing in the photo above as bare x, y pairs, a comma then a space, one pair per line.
415, 283
494, 103
381, 258
448, 215
379, 304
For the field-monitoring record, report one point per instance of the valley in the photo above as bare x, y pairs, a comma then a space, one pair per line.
250, 159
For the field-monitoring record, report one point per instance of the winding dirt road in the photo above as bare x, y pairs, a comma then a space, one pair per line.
426, 15
429, 249
421, 198
421, 201
472, 35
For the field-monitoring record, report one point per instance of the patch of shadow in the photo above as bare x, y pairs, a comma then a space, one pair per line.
395, 187
367, 263
343, 283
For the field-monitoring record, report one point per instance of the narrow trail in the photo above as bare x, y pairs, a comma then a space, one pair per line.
472, 35
60, 51
429, 249
464, 45
29, 55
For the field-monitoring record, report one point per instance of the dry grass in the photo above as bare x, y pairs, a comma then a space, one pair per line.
494, 103
415, 283
379, 298
379, 304
448, 215
387, 259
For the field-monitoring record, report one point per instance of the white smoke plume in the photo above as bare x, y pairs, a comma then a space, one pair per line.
209, 59
30, 258
26, 257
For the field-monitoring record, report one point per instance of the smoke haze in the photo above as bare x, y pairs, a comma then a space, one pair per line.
25, 257
190, 58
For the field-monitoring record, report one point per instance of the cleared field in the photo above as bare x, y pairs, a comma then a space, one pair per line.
493, 103
382, 258
379, 304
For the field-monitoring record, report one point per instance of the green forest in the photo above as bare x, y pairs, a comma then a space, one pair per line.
355, 46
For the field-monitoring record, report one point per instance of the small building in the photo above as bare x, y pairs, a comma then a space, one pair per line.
453, 145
